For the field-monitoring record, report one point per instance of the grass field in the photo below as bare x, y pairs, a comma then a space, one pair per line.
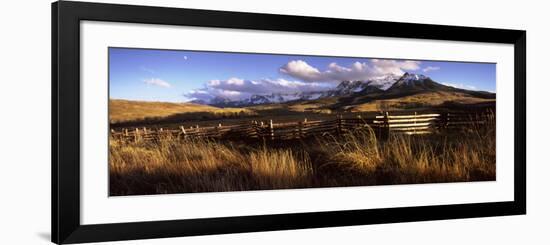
128, 111
125, 113
418, 101
199, 165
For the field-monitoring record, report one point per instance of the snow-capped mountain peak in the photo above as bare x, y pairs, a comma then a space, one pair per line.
274, 98
349, 87
384, 82
409, 77
345, 88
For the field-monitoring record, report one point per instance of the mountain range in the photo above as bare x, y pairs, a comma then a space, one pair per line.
352, 92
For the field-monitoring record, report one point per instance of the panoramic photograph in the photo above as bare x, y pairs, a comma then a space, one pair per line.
186, 121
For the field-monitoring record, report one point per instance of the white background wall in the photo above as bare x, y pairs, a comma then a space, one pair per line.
25, 121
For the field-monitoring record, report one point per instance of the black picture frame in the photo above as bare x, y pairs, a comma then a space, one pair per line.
66, 17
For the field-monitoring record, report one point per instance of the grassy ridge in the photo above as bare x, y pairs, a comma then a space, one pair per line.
359, 158
126, 110
421, 100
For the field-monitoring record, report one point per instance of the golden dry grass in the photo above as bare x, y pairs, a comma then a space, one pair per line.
430, 99
171, 166
126, 110
177, 166
401, 159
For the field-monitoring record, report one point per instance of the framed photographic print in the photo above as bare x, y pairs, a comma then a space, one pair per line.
176, 122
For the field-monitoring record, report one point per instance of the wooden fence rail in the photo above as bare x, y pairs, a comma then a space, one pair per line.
383, 125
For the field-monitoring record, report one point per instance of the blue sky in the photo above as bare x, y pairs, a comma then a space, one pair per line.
178, 76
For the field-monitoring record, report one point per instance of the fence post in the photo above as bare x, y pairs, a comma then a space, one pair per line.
271, 132
300, 128
339, 125
255, 128
260, 131
218, 130
183, 131
414, 122
378, 128
446, 120
144, 136
136, 135
386, 129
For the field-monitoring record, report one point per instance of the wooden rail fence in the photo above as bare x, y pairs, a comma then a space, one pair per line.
383, 125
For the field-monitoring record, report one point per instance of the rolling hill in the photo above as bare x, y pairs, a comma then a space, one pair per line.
127, 110
412, 91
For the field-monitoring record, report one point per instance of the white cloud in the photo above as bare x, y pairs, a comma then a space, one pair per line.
238, 89
460, 85
157, 82
300, 69
384, 67
431, 68
207, 94
310, 79
264, 86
